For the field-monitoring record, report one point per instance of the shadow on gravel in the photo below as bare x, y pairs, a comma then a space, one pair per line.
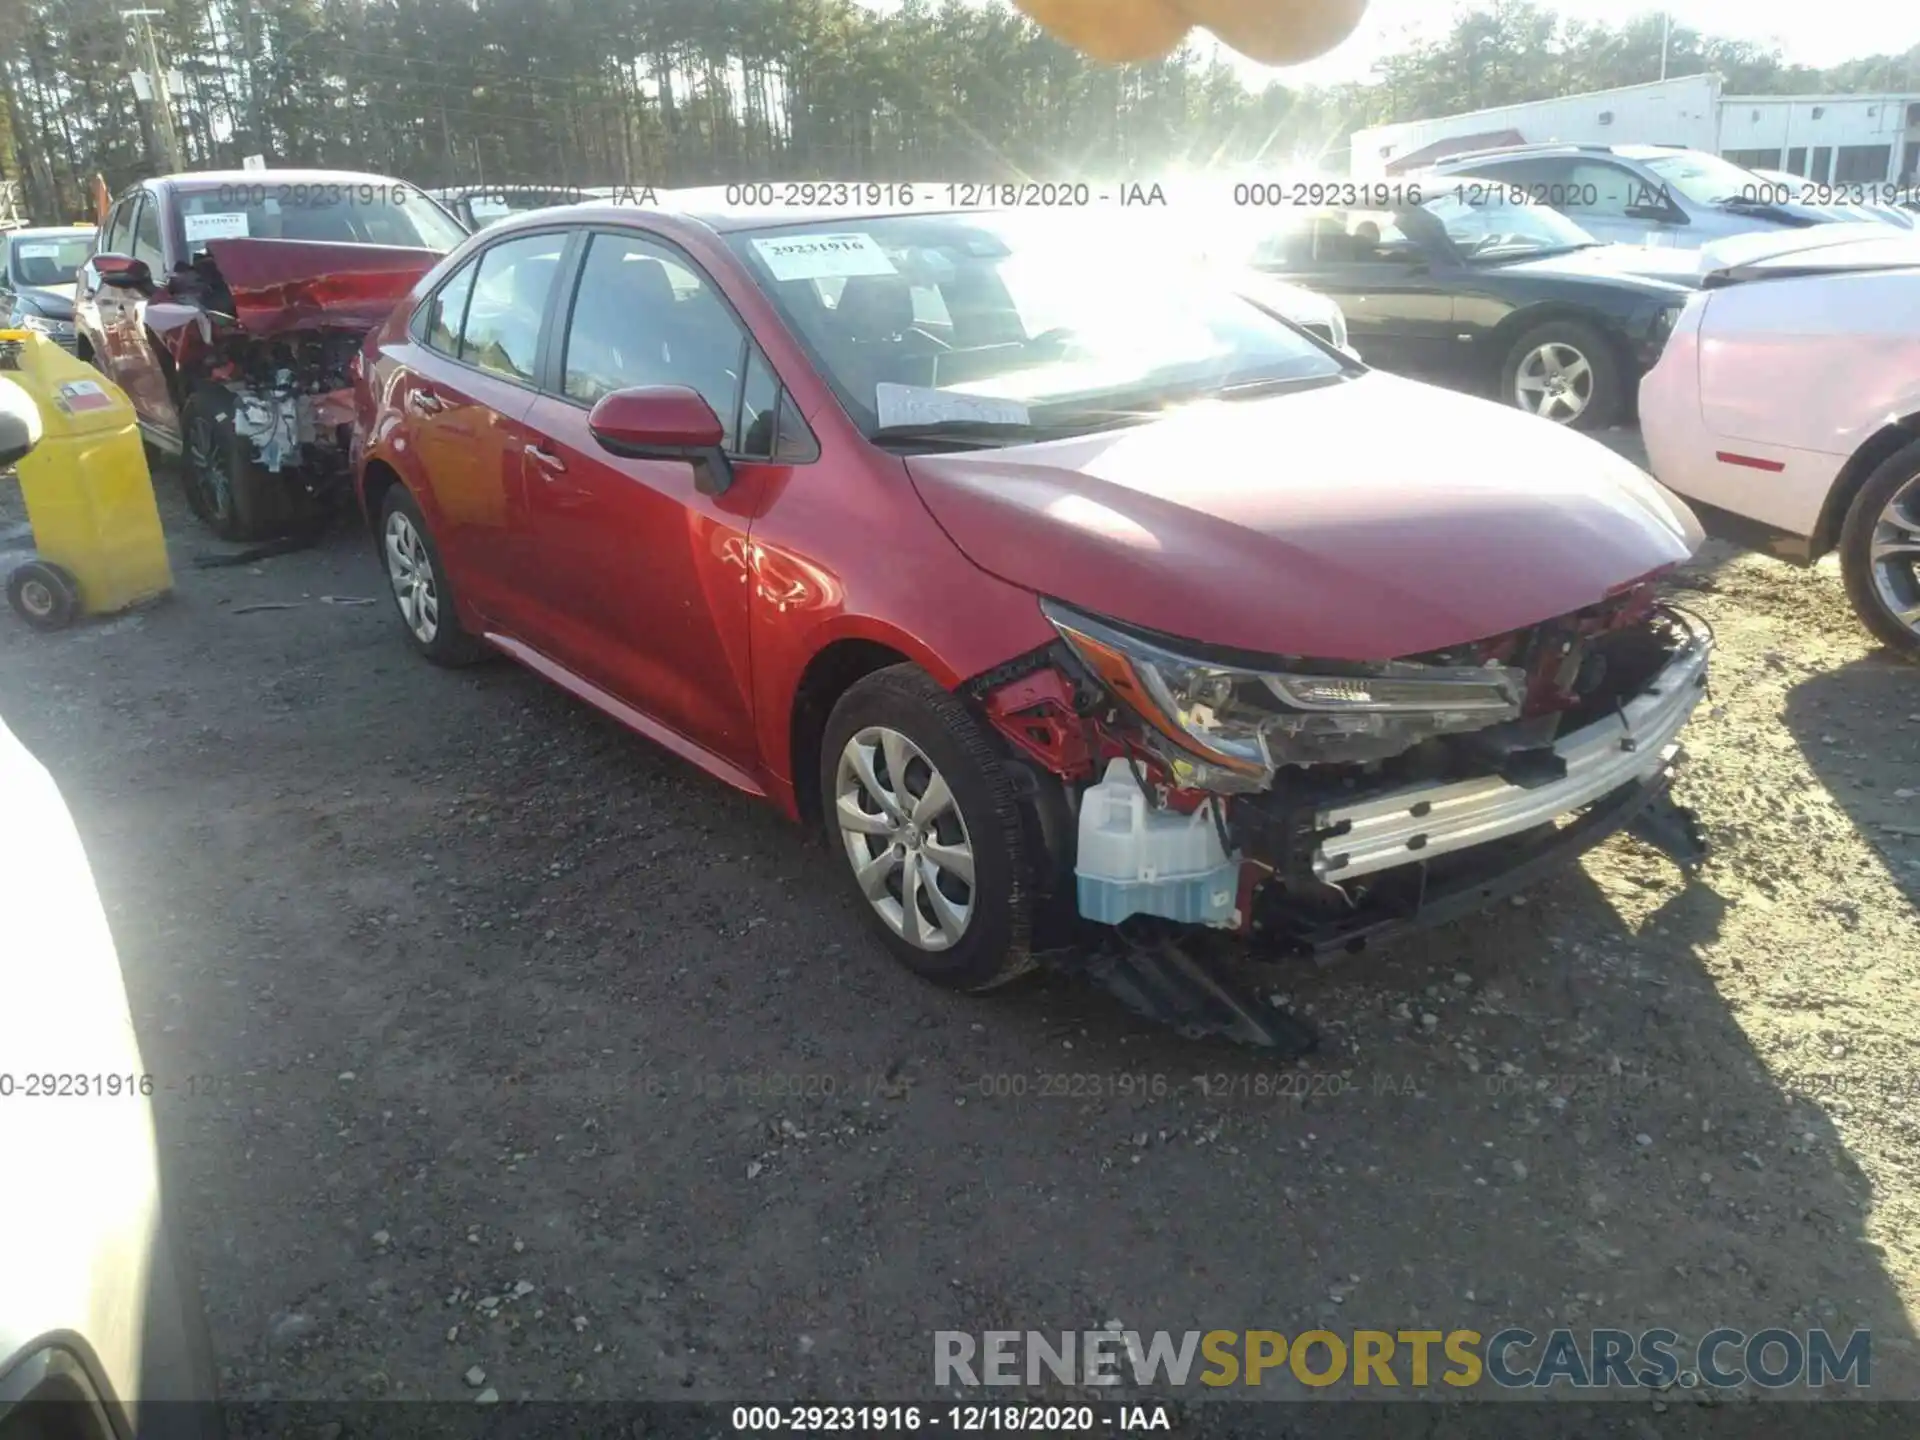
1859, 728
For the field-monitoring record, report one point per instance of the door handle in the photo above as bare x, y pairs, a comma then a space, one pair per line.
424, 402
552, 464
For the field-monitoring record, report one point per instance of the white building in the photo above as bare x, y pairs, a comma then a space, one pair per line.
1835, 139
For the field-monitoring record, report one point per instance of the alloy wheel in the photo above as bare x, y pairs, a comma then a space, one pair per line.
411, 570
1895, 555
1554, 382
905, 838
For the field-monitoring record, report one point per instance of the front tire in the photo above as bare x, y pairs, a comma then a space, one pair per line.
1880, 553
1565, 371
924, 823
422, 595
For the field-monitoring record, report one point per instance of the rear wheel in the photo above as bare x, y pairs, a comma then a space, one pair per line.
421, 592
225, 488
923, 817
1880, 553
1564, 371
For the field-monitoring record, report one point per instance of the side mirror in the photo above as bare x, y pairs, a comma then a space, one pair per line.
664, 422
19, 423
123, 272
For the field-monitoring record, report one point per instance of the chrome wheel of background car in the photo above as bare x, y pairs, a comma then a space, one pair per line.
1554, 381
411, 571
1895, 555
905, 838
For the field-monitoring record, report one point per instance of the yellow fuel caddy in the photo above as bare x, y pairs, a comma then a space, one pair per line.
97, 542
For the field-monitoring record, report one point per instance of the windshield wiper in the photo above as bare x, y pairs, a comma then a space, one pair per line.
986, 434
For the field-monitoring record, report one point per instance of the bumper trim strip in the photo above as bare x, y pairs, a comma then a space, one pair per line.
1384, 831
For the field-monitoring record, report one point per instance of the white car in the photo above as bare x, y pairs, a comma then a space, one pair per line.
102, 1335
1789, 395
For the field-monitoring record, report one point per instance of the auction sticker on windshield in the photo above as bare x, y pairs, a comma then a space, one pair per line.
29, 250
824, 257
225, 225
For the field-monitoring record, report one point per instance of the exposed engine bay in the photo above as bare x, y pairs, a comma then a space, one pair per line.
1314, 804
292, 391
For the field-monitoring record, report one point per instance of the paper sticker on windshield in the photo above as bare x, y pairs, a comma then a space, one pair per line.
30, 250
227, 225
824, 257
919, 405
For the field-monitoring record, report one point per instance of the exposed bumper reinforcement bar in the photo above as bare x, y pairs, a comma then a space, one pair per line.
1645, 806
1423, 822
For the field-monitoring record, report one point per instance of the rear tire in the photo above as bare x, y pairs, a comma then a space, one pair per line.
232, 495
422, 594
950, 813
1886, 515
1569, 354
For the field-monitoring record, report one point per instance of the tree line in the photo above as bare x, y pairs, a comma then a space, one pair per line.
687, 92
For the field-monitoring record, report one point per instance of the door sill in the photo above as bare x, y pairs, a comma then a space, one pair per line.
633, 719
166, 442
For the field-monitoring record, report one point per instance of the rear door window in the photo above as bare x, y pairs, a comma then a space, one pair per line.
509, 301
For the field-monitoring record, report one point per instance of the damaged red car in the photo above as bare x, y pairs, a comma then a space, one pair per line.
1050, 579
228, 306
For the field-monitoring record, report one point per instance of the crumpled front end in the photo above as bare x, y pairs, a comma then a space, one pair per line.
1318, 805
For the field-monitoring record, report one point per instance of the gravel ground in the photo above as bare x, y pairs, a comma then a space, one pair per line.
499, 1050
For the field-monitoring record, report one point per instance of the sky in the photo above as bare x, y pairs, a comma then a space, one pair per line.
1810, 32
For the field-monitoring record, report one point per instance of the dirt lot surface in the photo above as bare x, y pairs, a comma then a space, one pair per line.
491, 1038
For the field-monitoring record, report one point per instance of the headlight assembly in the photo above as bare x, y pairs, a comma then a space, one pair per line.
1242, 723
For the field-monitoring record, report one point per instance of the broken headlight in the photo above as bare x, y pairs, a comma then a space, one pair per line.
1244, 722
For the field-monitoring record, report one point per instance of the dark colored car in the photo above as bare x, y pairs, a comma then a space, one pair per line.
1480, 287
37, 272
228, 305
1050, 578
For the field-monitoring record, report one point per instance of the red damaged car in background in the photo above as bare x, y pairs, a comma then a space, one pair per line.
228, 305
1045, 575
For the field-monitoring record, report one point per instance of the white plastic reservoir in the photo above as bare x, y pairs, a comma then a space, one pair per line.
1136, 859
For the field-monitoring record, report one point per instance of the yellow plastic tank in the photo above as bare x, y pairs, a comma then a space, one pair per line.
88, 492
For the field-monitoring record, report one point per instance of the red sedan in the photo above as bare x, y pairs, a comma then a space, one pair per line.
1049, 577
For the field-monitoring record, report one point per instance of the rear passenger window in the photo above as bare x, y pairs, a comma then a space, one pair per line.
439, 326
502, 330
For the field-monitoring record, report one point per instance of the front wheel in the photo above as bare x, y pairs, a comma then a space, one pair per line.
1564, 371
1880, 553
922, 817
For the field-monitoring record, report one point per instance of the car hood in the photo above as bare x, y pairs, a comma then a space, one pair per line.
1656, 269
1369, 519
281, 285
53, 301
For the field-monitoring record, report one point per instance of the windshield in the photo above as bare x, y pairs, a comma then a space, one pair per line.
364, 212
1013, 320
1703, 179
50, 259
1488, 222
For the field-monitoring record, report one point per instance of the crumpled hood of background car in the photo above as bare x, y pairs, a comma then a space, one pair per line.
282, 285
1365, 520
